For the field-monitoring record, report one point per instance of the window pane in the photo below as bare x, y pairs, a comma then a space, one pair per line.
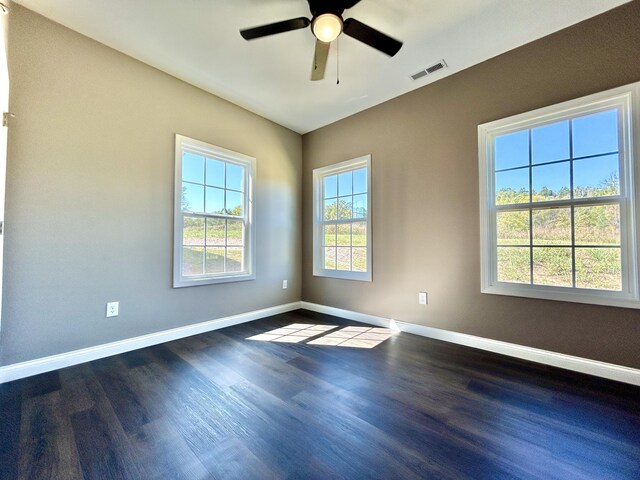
345, 206
234, 203
512, 150
595, 134
512, 186
550, 142
359, 259
235, 259
359, 233
344, 235
215, 231
330, 258
215, 173
193, 231
599, 268
551, 182
192, 260
360, 206
331, 186
360, 181
330, 235
513, 228
215, 200
345, 182
596, 177
192, 198
214, 262
597, 225
235, 232
235, 177
192, 168
343, 261
330, 209
514, 265
552, 226
552, 266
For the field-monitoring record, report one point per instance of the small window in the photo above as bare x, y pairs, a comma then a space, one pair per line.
558, 202
342, 220
214, 234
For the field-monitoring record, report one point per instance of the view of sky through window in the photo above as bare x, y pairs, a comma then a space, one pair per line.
542, 157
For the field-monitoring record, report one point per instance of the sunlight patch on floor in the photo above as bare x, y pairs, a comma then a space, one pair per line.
356, 337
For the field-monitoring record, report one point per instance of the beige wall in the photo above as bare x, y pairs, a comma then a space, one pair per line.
425, 193
89, 212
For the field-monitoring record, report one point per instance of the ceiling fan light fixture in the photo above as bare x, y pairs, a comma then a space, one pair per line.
327, 27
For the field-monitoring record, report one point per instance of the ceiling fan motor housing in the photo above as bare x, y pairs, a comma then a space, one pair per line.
318, 7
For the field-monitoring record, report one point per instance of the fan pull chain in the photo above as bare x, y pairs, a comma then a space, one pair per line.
338, 61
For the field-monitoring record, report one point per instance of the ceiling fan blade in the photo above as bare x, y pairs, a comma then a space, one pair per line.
349, 3
320, 60
371, 37
273, 28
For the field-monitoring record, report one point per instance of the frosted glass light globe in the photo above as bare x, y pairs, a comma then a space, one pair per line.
327, 27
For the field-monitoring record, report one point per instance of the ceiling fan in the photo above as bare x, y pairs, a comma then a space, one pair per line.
327, 24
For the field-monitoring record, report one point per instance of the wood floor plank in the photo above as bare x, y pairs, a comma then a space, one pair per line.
113, 375
74, 388
47, 446
232, 459
219, 405
208, 365
10, 421
103, 446
165, 454
41, 384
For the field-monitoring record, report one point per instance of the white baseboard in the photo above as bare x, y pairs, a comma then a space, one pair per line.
54, 362
568, 362
348, 314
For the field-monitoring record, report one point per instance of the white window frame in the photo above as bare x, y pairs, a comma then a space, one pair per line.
627, 100
249, 163
318, 196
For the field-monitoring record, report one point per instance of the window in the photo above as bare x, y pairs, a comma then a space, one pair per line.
214, 234
342, 220
558, 202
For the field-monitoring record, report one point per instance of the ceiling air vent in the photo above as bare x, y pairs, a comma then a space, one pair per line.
418, 75
429, 70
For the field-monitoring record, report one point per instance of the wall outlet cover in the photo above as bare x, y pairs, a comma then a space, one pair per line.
422, 298
112, 309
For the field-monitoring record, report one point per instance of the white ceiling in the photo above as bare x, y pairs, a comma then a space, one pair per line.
198, 42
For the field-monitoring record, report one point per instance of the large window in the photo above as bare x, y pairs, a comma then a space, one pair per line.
342, 220
558, 202
214, 235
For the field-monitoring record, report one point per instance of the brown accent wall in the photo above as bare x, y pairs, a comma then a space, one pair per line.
425, 212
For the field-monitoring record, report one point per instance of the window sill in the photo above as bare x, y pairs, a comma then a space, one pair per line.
592, 297
197, 281
343, 275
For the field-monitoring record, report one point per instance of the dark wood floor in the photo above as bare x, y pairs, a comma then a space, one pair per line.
220, 406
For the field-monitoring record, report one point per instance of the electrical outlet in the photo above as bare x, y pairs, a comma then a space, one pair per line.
422, 298
284, 284
112, 309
